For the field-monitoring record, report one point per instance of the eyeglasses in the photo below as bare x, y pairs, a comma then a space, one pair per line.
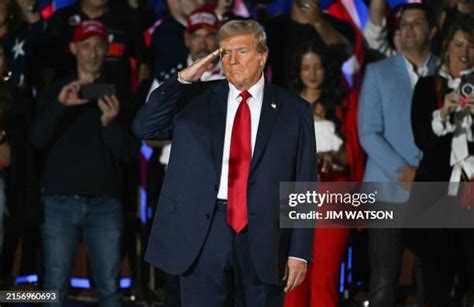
413, 24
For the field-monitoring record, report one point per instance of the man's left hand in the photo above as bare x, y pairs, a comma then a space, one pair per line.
295, 273
110, 107
407, 176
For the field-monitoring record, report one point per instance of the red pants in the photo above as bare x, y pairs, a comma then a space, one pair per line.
319, 288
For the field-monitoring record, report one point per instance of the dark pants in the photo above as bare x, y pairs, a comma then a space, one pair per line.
224, 275
434, 249
99, 221
464, 238
385, 250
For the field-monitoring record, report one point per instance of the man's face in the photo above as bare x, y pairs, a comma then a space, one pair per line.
200, 43
242, 62
90, 54
415, 33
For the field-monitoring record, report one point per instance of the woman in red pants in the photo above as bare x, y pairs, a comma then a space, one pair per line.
318, 80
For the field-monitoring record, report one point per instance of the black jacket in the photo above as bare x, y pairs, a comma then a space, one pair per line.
435, 164
83, 157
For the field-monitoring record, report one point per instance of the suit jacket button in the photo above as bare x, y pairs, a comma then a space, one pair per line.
216, 187
208, 216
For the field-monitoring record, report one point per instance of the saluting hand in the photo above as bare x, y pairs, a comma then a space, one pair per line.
196, 70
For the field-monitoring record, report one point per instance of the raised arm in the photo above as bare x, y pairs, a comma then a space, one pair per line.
154, 120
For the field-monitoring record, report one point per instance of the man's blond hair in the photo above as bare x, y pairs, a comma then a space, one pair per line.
244, 27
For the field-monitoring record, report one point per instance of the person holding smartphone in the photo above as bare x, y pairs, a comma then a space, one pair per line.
440, 104
86, 145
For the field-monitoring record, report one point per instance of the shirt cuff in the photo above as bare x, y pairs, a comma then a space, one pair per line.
153, 87
441, 127
375, 32
181, 80
300, 259
377, 38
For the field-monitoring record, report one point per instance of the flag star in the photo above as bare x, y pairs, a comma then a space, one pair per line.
18, 49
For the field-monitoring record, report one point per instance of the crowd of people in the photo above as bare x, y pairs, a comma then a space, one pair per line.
70, 164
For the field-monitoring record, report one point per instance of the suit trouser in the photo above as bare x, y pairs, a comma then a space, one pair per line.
224, 275
319, 288
385, 251
434, 249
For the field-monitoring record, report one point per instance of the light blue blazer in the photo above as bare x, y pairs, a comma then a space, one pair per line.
385, 130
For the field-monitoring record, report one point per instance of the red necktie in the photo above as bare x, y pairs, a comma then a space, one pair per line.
239, 166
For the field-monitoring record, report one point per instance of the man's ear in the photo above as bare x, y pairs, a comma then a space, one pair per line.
264, 59
73, 48
187, 39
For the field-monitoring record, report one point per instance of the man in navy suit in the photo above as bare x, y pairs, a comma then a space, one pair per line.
234, 140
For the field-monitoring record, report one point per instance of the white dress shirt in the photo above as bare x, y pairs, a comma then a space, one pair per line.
326, 137
415, 73
233, 100
255, 104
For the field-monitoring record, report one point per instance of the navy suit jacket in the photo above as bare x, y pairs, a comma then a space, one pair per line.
194, 116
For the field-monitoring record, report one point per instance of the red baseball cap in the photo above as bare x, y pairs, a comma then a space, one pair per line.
203, 17
89, 28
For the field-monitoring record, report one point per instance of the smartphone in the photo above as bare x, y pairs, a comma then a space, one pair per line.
95, 91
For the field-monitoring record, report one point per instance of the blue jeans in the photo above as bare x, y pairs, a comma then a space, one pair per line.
99, 221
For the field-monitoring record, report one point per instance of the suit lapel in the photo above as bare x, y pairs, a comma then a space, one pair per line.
268, 116
218, 113
403, 80
404, 77
432, 64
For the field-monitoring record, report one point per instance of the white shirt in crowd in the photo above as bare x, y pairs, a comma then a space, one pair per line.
415, 73
377, 37
326, 137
